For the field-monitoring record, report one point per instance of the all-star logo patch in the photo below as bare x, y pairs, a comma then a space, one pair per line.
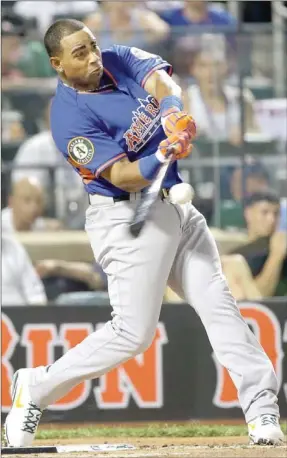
81, 150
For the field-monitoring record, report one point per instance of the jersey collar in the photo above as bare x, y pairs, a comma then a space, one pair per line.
107, 83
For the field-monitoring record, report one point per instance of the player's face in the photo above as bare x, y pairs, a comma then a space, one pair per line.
262, 218
81, 60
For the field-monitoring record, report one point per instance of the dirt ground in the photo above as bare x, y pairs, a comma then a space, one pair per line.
172, 448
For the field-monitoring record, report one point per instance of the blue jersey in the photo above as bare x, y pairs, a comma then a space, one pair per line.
93, 130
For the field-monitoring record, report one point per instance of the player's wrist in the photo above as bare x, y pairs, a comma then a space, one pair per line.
150, 165
168, 105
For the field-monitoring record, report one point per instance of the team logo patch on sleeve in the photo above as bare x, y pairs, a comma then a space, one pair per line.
81, 150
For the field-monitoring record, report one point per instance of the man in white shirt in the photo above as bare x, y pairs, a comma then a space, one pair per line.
26, 205
21, 284
40, 150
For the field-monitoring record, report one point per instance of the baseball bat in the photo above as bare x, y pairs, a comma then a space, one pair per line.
149, 198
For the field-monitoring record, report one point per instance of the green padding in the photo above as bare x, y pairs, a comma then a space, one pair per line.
35, 61
281, 289
261, 93
231, 215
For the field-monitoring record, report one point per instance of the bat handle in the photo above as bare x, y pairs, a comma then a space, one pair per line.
170, 152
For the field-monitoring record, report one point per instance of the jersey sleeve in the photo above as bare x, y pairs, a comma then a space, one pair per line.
139, 64
93, 152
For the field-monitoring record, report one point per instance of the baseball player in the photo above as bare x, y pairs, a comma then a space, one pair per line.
109, 118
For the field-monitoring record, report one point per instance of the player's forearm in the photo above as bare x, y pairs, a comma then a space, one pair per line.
126, 175
268, 279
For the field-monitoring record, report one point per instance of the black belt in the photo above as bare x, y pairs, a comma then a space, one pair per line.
162, 195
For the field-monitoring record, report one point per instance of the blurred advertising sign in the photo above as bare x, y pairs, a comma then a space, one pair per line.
271, 116
177, 378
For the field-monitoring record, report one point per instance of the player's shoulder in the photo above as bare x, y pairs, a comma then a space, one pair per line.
114, 55
70, 118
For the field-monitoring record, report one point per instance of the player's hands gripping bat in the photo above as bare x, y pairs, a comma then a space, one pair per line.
178, 122
175, 147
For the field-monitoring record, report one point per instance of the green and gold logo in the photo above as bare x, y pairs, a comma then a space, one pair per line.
81, 150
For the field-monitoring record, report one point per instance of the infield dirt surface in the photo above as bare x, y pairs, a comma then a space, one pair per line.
171, 448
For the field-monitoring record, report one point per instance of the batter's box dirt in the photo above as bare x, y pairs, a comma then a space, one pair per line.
174, 448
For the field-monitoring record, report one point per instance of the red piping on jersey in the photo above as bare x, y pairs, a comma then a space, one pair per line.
110, 162
158, 67
111, 76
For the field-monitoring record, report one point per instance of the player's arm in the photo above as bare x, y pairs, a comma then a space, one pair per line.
160, 85
97, 155
134, 176
153, 74
170, 97
126, 175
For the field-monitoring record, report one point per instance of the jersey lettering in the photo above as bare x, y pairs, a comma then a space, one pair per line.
145, 122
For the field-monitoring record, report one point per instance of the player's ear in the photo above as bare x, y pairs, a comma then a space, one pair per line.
56, 64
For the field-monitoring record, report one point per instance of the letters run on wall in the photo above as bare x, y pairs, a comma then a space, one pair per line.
177, 378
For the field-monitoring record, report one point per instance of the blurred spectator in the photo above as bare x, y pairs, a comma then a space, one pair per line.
40, 150
235, 185
46, 11
159, 5
266, 252
239, 278
126, 23
60, 277
21, 58
199, 13
214, 103
12, 32
26, 206
20, 283
12, 127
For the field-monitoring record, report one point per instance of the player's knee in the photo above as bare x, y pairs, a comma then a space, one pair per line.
141, 342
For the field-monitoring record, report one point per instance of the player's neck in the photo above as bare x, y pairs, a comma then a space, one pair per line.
80, 87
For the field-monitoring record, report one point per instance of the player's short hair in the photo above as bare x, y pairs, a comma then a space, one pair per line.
261, 196
57, 31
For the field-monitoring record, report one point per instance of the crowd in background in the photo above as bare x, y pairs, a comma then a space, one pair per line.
40, 192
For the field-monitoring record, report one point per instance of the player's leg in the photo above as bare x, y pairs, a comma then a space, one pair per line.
197, 276
137, 270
